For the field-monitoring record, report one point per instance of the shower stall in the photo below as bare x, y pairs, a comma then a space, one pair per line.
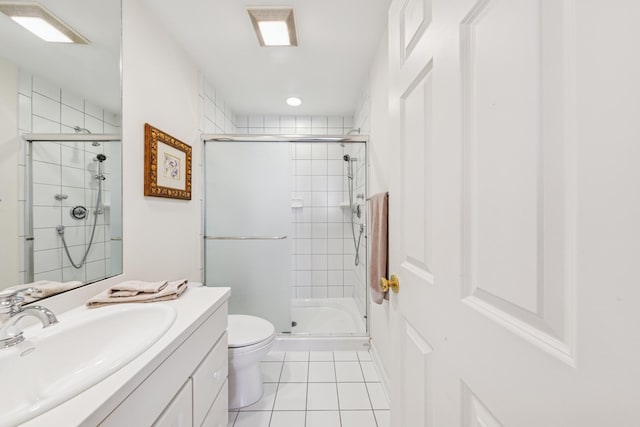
72, 224
285, 228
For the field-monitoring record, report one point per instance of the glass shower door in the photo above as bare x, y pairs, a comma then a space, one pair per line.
247, 226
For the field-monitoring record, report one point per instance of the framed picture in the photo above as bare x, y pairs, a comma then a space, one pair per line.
167, 165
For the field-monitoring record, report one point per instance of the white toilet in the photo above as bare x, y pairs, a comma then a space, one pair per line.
250, 339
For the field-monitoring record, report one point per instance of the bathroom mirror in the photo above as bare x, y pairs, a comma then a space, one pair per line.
60, 128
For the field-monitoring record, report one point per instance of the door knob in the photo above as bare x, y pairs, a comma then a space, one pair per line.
393, 284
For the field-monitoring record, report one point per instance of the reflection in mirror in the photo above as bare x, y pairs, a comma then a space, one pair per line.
60, 88
74, 210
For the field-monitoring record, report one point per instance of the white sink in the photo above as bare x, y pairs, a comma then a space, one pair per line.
55, 364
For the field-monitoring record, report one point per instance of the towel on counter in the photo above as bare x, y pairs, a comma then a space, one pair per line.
45, 288
134, 287
379, 261
171, 290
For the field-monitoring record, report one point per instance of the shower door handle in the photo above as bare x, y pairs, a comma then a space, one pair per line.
245, 237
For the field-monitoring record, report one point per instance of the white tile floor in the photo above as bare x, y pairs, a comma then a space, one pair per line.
317, 389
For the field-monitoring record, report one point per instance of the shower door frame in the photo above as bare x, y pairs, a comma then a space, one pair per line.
342, 139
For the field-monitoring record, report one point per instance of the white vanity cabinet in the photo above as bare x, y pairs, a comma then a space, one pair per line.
189, 388
179, 413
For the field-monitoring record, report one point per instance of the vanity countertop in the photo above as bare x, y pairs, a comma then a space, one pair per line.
94, 404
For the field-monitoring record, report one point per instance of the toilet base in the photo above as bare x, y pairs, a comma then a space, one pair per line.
245, 387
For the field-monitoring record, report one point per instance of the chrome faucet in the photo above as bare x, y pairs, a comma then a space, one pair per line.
11, 305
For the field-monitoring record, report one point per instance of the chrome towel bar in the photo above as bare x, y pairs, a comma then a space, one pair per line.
244, 238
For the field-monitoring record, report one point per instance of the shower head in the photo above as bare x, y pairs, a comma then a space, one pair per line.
348, 158
95, 144
101, 158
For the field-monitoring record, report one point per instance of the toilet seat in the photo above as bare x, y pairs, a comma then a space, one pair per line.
245, 331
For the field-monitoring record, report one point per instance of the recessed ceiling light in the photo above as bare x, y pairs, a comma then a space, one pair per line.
274, 27
41, 22
294, 101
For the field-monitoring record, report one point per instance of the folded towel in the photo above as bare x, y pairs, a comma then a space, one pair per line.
45, 288
379, 262
134, 287
172, 290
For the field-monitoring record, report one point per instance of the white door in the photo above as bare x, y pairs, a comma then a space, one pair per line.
515, 212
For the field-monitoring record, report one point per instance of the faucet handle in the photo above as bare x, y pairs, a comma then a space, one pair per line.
11, 301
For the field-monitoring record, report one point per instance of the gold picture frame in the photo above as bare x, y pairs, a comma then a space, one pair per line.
167, 165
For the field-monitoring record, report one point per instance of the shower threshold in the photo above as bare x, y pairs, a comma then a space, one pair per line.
324, 325
326, 316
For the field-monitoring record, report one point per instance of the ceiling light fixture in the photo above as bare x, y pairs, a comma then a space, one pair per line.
42, 23
274, 27
294, 101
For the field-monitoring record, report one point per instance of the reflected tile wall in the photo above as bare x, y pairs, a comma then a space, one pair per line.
67, 168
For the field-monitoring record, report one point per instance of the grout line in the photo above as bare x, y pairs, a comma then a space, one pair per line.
337, 392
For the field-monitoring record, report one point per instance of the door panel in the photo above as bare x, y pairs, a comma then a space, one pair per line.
416, 119
416, 406
517, 154
513, 146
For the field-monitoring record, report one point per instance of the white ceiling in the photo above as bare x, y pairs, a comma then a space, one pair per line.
91, 70
337, 40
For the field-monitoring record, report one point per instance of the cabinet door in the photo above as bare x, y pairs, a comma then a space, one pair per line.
208, 378
218, 415
179, 412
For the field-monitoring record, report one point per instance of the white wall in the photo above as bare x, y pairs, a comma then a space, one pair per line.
160, 87
8, 172
374, 115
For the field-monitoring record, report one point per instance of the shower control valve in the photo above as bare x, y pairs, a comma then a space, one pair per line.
79, 212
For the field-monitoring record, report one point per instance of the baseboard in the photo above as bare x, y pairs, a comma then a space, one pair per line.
384, 377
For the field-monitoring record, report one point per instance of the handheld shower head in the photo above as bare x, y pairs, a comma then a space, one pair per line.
101, 158
346, 157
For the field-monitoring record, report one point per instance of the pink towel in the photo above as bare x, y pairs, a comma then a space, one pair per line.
379, 262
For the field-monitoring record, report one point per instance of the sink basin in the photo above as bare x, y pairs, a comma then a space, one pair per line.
55, 364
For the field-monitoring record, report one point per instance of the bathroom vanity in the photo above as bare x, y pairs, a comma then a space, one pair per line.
180, 380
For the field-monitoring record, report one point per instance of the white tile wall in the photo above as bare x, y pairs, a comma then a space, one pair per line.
293, 125
358, 276
64, 168
214, 116
320, 224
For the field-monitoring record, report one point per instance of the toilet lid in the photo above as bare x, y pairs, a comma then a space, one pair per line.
247, 330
